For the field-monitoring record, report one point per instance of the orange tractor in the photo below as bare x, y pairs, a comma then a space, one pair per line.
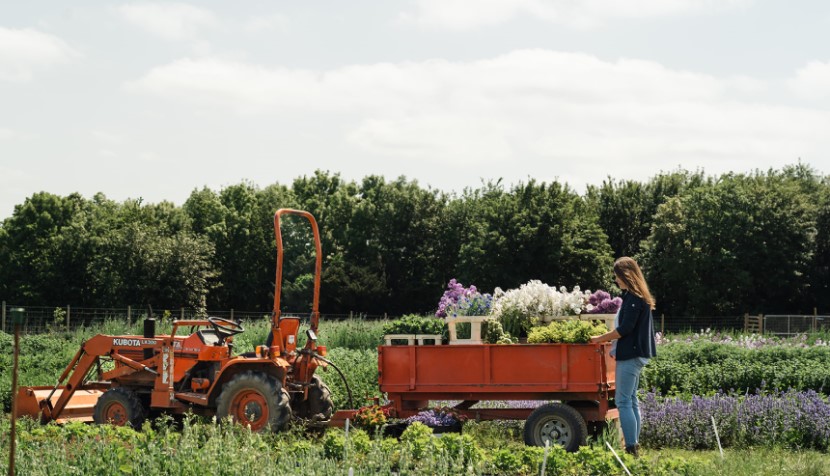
152, 373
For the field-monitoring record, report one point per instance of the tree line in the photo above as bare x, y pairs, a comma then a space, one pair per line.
709, 245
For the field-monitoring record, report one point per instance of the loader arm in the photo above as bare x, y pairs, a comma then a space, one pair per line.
76, 371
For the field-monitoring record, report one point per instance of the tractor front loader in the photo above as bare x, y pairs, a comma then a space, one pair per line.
124, 379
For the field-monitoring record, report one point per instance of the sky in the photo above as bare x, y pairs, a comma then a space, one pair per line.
157, 99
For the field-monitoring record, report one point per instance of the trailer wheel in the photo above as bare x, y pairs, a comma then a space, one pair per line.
119, 406
557, 423
255, 400
319, 405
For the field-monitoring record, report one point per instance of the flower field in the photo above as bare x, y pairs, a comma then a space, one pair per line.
767, 396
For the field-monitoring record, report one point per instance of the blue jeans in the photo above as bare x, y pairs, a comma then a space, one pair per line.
628, 379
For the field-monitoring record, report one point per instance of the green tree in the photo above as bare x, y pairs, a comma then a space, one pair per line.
535, 231
742, 244
238, 222
626, 208
43, 251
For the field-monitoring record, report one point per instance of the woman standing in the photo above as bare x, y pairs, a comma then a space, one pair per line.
634, 345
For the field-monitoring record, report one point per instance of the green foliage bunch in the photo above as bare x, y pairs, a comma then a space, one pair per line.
416, 324
334, 442
417, 437
361, 369
492, 332
704, 367
570, 331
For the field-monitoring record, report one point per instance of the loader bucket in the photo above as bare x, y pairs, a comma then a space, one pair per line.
79, 408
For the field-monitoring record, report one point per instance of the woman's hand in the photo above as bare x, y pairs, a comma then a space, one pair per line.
608, 336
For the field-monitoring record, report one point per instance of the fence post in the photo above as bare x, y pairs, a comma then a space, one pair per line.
3, 328
662, 324
746, 323
129, 316
182, 314
350, 315
763, 324
231, 313
68, 312
815, 319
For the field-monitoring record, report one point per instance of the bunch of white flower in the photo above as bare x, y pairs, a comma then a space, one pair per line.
535, 300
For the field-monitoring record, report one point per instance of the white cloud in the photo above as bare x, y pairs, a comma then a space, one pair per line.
812, 81
259, 24
6, 134
107, 137
171, 21
467, 14
149, 157
25, 51
527, 105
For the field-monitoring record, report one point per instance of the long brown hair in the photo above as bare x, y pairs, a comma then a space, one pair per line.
629, 272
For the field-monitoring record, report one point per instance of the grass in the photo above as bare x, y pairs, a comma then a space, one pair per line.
205, 448
199, 448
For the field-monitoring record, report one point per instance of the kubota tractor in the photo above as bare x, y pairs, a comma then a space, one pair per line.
198, 372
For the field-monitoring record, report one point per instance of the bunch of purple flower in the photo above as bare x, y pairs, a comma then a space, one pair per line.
792, 419
460, 301
600, 302
441, 416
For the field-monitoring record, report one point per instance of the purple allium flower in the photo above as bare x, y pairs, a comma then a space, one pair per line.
460, 301
603, 303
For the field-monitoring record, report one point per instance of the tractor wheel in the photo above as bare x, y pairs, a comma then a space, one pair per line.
319, 405
255, 400
119, 406
557, 423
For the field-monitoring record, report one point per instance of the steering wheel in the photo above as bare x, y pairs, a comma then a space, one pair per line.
225, 327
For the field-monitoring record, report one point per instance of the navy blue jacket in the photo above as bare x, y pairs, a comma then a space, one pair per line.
636, 329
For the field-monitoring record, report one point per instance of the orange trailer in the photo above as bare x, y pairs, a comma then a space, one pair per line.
579, 376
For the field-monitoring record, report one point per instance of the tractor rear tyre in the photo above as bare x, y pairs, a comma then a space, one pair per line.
119, 406
319, 405
255, 400
557, 423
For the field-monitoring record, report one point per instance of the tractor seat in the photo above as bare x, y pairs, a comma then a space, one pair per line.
208, 337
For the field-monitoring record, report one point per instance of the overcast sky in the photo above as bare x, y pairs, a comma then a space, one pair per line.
156, 99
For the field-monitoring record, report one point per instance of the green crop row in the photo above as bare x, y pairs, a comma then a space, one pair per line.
701, 368
196, 448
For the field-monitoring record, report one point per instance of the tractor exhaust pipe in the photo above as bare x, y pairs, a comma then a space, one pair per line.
149, 333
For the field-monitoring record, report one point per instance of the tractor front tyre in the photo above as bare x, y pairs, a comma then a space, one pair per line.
556, 423
119, 406
319, 405
254, 400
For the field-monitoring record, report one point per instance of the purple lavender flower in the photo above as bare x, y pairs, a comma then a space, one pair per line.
791, 419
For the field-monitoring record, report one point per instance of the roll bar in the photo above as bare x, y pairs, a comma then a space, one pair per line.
318, 266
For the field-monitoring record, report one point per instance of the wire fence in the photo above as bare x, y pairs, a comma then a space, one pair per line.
788, 325
39, 319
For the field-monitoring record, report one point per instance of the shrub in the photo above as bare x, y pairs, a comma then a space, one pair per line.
417, 437
415, 324
570, 331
